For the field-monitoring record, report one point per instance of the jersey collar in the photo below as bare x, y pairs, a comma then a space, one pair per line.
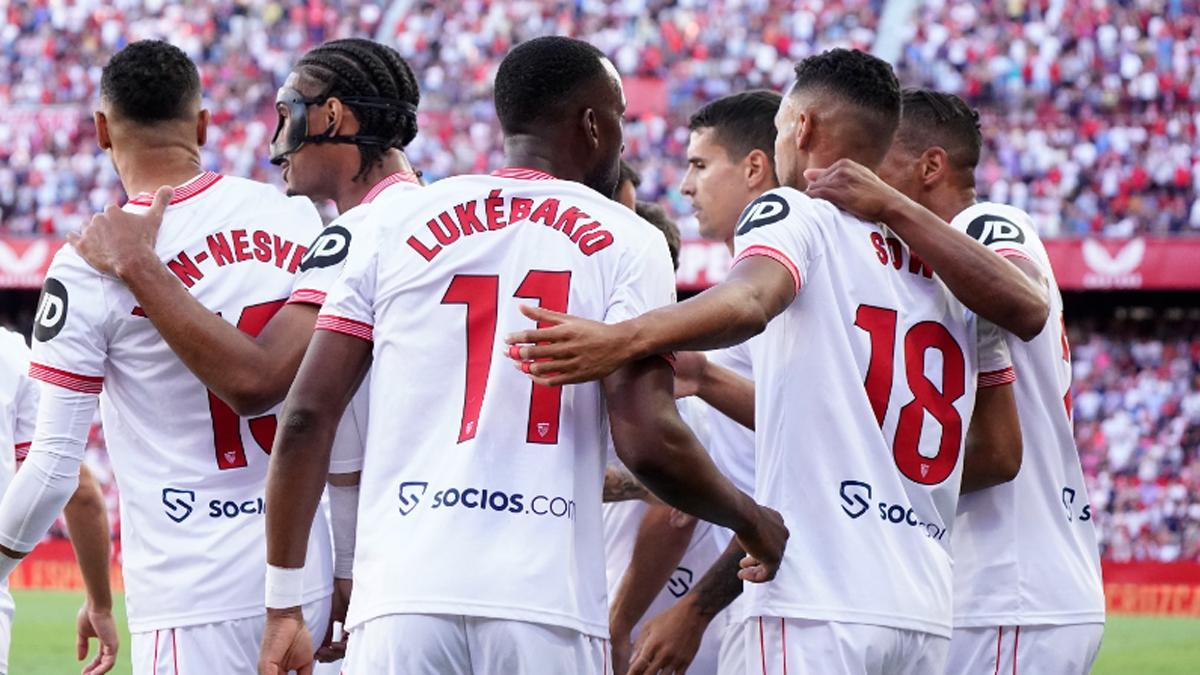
182, 192
398, 177
522, 173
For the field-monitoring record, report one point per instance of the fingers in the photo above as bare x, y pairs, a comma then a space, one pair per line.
161, 199
81, 647
813, 175
531, 351
543, 315
305, 669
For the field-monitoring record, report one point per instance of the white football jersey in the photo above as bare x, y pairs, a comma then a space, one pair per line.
319, 270
18, 404
1025, 552
480, 491
864, 388
730, 444
191, 472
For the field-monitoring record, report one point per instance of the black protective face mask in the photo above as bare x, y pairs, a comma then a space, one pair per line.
291, 133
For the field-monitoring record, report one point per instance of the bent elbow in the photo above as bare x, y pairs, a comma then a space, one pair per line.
1032, 320
1009, 466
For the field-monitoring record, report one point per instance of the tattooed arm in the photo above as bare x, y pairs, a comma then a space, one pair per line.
620, 485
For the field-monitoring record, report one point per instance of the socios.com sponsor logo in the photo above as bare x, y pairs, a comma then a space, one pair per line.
412, 493
180, 504
856, 502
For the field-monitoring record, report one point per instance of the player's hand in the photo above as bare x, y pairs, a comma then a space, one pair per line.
689, 373
286, 644
764, 544
96, 623
668, 641
567, 349
333, 650
116, 240
852, 187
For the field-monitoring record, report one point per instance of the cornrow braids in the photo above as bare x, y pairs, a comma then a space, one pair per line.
355, 67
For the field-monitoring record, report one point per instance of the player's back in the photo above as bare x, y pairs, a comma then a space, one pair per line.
1025, 551
480, 490
864, 387
191, 472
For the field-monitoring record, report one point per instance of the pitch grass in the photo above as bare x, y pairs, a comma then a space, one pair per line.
44, 640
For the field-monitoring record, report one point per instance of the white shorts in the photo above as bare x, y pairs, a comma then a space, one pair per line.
227, 647
1025, 650
423, 644
776, 646
731, 653
6, 620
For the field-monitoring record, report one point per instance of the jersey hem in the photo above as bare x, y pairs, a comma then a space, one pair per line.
87, 384
478, 610
995, 378
1026, 619
840, 615
307, 296
216, 615
345, 466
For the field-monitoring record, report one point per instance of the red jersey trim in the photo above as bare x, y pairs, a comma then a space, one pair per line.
1015, 253
22, 450
522, 173
307, 296
995, 378
87, 384
398, 177
774, 254
359, 329
182, 192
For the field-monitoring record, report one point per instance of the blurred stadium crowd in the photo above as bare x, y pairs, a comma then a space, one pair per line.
1091, 108
1091, 112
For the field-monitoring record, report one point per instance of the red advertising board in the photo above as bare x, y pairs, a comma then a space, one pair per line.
1079, 264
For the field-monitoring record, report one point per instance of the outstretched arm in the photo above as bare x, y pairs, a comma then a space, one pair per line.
731, 394
250, 372
662, 452
987, 284
579, 350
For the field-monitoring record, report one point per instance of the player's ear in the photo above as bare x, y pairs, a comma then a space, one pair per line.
805, 129
757, 168
934, 166
337, 117
102, 138
202, 127
591, 127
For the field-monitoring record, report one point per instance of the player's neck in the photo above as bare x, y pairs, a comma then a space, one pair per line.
147, 169
952, 202
353, 192
529, 152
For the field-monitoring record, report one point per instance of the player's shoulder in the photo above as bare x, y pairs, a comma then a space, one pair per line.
68, 265
255, 196
992, 223
789, 206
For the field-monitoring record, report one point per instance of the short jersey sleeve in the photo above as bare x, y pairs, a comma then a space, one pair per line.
70, 328
350, 304
781, 225
1003, 229
321, 265
995, 361
645, 281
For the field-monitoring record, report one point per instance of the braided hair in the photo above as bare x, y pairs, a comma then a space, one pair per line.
357, 67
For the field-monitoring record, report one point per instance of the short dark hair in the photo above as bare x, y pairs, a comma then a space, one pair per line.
630, 174
537, 78
657, 216
862, 80
151, 81
741, 122
355, 67
933, 118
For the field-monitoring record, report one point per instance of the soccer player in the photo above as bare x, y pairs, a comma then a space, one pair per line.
863, 382
361, 97
730, 154
85, 513
190, 471
1028, 596
480, 544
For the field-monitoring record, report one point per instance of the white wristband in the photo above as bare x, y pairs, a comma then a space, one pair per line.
7, 565
285, 587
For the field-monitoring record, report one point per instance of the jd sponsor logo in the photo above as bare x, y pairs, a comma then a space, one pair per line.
179, 503
856, 500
